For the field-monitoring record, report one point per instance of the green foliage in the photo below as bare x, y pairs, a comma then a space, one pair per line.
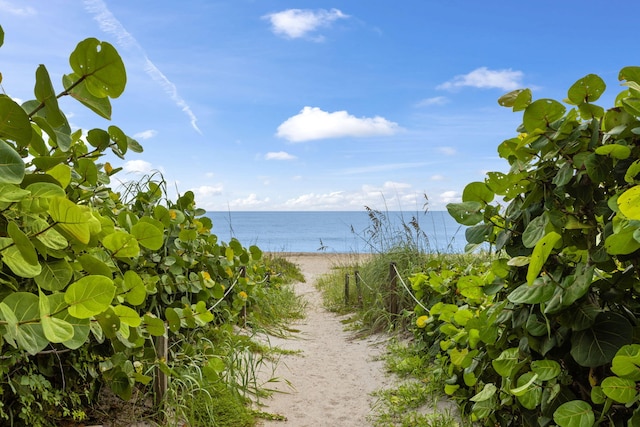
547, 332
88, 276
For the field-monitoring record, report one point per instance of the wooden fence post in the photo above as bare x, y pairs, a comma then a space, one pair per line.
393, 291
346, 289
161, 384
358, 288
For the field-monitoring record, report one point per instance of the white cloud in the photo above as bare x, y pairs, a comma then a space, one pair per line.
252, 201
279, 155
437, 177
109, 24
437, 100
296, 23
447, 151
139, 167
146, 134
313, 123
450, 197
208, 190
12, 9
485, 78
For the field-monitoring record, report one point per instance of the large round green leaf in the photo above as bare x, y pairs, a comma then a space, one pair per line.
587, 89
70, 218
539, 291
466, 213
102, 67
55, 275
21, 311
621, 390
599, 344
100, 106
149, 232
133, 287
12, 257
477, 192
576, 413
46, 95
81, 327
89, 296
626, 363
629, 203
541, 113
121, 244
546, 369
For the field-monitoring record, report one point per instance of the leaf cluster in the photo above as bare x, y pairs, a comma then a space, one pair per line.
90, 277
547, 335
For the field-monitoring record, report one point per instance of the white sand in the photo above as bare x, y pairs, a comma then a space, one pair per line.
331, 381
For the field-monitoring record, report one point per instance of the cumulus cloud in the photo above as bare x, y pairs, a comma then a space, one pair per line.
279, 155
313, 123
208, 190
436, 100
296, 23
146, 134
450, 197
13, 9
138, 167
251, 201
437, 177
485, 78
109, 24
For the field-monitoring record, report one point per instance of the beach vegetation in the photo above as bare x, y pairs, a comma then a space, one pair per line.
106, 288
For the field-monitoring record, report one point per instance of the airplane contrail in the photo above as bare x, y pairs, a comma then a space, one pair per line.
109, 24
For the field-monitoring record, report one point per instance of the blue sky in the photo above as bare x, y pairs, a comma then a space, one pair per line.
319, 105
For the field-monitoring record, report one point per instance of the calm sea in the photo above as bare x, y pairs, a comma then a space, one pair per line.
338, 232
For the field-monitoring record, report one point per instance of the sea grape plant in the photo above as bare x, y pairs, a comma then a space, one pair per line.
89, 276
552, 337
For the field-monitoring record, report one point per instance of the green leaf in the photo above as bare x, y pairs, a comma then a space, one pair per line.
576, 413
587, 89
55, 275
622, 242
101, 65
16, 262
632, 172
46, 95
477, 192
1, 37
80, 326
598, 167
135, 291
21, 310
70, 218
23, 244
487, 392
120, 384
89, 296
630, 74
545, 369
538, 292
12, 168
506, 362
478, 233
121, 244
202, 313
471, 287
154, 325
93, 265
100, 106
629, 203
14, 122
149, 233
541, 113
536, 230
599, 344
528, 393
616, 151
173, 319
57, 330
517, 99
127, 315
466, 213
88, 171
109, 323
621, 390
541, 252
626, 363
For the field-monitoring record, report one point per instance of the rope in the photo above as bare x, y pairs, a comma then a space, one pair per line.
409, 291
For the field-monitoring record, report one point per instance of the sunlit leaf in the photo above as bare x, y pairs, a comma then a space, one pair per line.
629, 203
587, 89
127, 315
14, 122
576, 413
135, 291
541, 113
621, 390
102, 67
89, 296
149, 233
70, 218
466, 213
626, 363
121, 244
99, 105
541, 252
55, 275
46, 95
12, 168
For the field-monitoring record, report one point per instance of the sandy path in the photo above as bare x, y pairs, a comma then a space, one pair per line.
331, 381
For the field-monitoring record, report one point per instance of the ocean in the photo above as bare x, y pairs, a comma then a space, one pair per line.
339, 232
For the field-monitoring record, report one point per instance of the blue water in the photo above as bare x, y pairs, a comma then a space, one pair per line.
337, 232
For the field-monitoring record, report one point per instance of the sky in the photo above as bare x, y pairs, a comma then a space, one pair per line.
272, 105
